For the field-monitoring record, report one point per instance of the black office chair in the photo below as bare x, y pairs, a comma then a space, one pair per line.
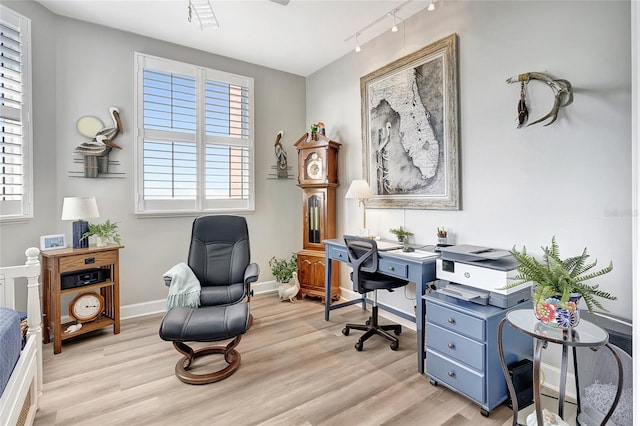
363, 258
219, 256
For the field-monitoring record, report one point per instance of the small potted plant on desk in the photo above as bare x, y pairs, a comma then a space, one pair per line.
403, 236
285, 273
559, 284
105, 232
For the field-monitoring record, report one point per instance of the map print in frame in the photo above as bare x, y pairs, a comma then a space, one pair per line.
410, 130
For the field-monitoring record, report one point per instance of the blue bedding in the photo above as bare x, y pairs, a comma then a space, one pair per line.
10, 342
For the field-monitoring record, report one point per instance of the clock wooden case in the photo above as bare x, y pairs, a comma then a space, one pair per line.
318, 178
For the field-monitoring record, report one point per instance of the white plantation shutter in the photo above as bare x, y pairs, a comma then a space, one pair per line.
195, 144
15, 125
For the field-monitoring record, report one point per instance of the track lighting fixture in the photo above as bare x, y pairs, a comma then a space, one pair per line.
376, 24
394, 28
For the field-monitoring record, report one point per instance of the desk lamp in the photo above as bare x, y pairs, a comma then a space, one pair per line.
78, 209
360, 190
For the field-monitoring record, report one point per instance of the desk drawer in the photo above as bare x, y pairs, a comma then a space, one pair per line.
338, 253
394, 268
455, 346
455, 321
456, 376
92, 260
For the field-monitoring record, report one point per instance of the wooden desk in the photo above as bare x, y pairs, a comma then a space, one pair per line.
58, 262
419, 271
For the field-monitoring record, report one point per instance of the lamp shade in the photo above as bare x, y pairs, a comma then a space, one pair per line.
74, 208
359, 189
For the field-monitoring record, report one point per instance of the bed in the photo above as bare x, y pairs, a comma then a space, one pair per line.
22, 382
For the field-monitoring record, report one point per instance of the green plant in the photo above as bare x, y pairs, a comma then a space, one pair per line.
107, 230
283, 269
401, 233
556, 277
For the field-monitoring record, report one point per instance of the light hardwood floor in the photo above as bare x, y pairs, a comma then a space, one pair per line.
297, 369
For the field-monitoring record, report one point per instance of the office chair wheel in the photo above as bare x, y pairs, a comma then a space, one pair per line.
367, 322
345, 331
394, 346
397, 332
359, 346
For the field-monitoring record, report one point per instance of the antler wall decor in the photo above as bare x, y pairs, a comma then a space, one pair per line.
561, 89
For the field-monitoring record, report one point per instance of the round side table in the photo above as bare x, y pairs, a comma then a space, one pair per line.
585, 334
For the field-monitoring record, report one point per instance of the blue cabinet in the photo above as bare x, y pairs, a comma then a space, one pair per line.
462, 349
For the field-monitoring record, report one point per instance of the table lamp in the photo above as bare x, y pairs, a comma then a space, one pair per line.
360, 190
78, 209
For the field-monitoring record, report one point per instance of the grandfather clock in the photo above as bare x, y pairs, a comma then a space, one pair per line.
318, 178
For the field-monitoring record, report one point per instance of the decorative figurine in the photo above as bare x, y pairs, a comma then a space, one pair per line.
281, 155
96, 151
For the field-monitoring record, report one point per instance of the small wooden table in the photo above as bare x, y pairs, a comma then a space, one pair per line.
55, 263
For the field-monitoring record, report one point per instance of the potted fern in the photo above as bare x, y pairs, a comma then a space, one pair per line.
559, 284
105, 232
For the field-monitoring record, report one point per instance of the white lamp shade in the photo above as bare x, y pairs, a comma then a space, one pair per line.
74, 208
359, 189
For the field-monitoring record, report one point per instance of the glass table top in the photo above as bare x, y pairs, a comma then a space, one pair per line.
584, 334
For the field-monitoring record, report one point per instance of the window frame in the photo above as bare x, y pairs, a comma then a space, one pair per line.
175, 207
22, 210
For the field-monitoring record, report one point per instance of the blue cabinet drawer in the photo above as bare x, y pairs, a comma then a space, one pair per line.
456, 376
455, 321
455, 346
337, 253
394, 268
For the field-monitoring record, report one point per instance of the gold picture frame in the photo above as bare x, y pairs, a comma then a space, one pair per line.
410, 130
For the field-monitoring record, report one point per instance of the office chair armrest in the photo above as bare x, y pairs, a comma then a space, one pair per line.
251, 273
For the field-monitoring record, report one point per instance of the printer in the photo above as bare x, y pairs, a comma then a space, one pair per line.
477, 274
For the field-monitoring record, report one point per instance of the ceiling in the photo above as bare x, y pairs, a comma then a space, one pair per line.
299, 38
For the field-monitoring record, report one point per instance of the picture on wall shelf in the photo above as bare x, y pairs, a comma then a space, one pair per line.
410, 130
52, 242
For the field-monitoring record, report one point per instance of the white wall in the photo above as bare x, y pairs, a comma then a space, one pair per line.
83, 69
571, 179
518, 186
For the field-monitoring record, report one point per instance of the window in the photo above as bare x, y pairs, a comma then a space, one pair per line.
194, 151
16, 188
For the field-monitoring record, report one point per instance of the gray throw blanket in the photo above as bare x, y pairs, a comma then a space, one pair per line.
184, 289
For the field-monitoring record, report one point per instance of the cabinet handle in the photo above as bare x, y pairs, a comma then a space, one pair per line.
391, 268
340, 255
451, 374
451, 346
89, 260
451, 321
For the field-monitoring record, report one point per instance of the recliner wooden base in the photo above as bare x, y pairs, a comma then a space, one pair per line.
231, 357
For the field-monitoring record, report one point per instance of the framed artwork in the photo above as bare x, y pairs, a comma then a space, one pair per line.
52, 242
410, 130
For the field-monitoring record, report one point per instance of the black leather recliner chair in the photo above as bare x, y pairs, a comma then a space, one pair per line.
220, 258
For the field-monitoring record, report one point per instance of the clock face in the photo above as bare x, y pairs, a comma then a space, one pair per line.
86, 306
315, 167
